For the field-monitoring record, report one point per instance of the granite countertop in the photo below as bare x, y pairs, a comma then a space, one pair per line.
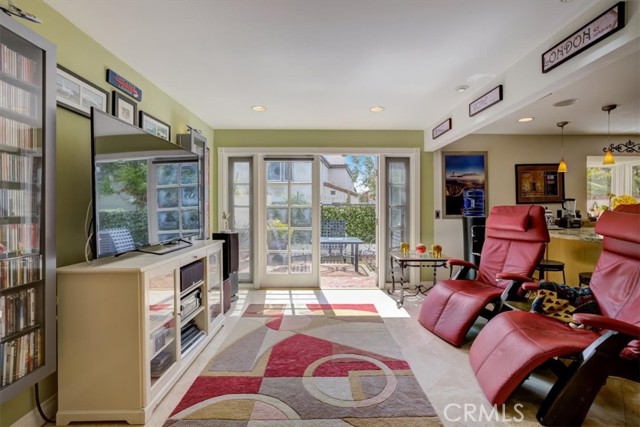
585, 234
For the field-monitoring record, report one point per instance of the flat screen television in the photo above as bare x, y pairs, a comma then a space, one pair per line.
145, 190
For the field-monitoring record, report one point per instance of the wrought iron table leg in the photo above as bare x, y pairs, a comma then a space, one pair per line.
400, 301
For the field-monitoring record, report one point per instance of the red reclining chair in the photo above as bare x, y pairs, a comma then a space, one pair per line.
515, 343
515, 240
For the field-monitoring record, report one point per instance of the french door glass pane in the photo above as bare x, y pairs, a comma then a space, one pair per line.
277, 216
177, 197
240, 198
301, 217
397, 204
300, 194
241, 218
277, 194
301, 172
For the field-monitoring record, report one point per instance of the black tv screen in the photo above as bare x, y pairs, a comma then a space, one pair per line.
145, 188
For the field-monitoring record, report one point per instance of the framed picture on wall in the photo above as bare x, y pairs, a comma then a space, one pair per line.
124, 108
77, 94
539, 183
154, 126
464, 178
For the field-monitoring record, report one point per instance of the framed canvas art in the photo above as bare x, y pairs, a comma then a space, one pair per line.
464, 177
539, 183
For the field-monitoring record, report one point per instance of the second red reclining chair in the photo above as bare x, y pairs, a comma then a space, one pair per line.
515, 240
514, 343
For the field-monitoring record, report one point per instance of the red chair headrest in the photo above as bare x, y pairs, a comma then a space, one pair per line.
521, 222
508, 221
623, 223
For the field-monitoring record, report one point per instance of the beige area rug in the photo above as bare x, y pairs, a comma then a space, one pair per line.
312, 365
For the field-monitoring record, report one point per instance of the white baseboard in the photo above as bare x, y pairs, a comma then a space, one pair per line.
33, 418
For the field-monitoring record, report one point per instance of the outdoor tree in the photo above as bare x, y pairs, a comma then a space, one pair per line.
598, 183
364, 170
128, 180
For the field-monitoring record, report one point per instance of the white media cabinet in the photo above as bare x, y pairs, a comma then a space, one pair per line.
120, 348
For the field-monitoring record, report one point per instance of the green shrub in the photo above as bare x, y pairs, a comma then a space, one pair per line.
360, 220
134, 221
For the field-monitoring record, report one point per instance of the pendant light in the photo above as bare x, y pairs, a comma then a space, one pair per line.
608, 157
562, 167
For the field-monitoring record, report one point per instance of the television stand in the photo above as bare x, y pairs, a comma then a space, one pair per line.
122, 320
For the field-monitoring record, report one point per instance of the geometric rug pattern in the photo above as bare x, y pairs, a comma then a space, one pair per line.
307, 365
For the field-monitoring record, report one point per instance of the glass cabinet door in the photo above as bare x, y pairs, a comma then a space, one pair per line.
162, 323
24, 335
214, 285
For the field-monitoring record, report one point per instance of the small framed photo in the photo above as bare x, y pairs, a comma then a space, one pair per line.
539, 183
78, 95
154, 126
124, 108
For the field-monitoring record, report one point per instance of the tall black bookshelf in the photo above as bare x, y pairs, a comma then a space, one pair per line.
27, 210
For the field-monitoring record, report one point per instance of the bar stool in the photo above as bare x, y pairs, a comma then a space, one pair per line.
550, 265
584, 278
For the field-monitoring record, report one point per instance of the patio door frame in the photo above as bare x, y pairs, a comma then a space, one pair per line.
260, 153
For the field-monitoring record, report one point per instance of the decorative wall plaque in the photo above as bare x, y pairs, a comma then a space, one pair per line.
485, 101
441, 128
124, 85
595, 31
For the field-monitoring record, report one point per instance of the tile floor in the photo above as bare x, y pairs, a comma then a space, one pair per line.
442, 370
343, 276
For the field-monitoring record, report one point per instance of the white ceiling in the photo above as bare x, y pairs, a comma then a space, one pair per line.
320, 64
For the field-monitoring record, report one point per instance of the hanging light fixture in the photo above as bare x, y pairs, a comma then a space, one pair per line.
608, 156
629, 147
562, 167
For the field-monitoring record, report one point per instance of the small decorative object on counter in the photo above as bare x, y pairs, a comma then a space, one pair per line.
404, 248
421, 248
225, 217
436, 250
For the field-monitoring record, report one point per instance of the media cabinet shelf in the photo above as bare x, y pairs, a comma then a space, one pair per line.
119, 330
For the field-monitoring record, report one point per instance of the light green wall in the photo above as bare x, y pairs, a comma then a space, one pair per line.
85, 57
346, 139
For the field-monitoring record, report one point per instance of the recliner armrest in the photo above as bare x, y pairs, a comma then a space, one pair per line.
530, 286
461, 263
513, 276
602, 322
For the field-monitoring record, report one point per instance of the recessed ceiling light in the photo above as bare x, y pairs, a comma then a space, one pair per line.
461, 88
376, 109
526, 119
566, 102
259, 108
566, 1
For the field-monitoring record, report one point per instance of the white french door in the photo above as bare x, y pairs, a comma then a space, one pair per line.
288, 221
281, 211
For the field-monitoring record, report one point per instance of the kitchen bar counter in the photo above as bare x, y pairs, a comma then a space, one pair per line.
578, 248
584, 234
